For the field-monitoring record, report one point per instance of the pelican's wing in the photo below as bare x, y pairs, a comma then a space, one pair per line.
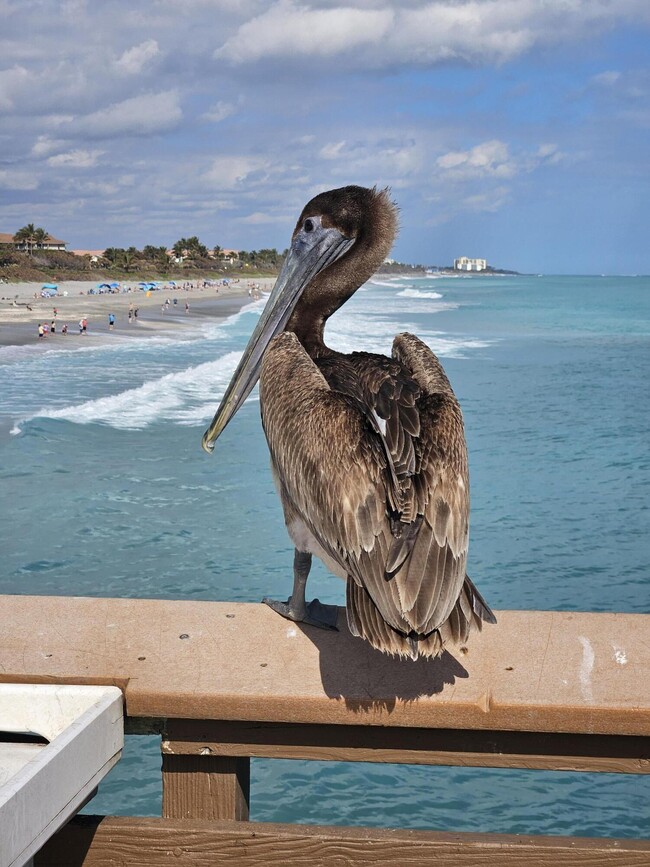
433, 584
334, 473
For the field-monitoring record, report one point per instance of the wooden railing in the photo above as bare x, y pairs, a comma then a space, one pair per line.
224, 682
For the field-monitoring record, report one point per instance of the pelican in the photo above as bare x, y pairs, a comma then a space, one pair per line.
367, 452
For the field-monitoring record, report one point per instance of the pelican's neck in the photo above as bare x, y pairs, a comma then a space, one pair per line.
330, 289
309, 327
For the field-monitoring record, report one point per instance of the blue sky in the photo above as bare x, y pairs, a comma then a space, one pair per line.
516, 130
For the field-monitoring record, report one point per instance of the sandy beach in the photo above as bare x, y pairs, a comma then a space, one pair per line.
21, 312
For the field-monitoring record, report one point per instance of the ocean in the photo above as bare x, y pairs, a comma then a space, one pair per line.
107, 493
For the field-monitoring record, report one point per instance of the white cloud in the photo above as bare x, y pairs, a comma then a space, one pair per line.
291, 27
77, 159
17, 180
473, 180
606, 79
259, 218
375, 159
332, 151
140, 115
420, 32
12, 82
134, 60
220, 111
547, 153
490, 201
492, 159
45, 145
56, 120
227, 172
488, 158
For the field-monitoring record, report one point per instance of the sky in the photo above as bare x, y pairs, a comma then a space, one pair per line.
512, 130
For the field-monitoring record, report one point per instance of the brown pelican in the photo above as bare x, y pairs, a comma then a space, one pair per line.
367, 452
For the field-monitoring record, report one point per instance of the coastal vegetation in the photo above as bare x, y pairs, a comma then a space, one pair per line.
30, 258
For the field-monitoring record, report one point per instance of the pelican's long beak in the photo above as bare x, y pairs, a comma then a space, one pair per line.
311, 251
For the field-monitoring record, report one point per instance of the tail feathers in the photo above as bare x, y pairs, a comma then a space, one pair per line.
481, 609
365, 621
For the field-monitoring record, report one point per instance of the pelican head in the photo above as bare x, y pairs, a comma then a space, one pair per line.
342, 235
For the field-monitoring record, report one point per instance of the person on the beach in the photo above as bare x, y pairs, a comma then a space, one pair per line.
46, 329
81, 326
111, 321
64, 330
41, 331
53, 326
135, 314
130, 316
84, 324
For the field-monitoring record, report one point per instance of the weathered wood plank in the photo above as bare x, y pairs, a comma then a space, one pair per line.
205, 787
114, 842
547, 751
534, 671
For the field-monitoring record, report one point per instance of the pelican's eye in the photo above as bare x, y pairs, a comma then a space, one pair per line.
309, 226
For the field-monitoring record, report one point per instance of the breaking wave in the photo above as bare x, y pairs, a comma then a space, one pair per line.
418, 293
187, 397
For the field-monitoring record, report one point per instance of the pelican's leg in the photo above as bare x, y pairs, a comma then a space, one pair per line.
295, 608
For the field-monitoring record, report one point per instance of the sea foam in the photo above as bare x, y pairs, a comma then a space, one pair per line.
188, 396
418, 293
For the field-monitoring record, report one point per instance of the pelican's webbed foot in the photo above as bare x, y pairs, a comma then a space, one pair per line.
313, 613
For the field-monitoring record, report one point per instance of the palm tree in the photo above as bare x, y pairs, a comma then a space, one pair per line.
26, 237
180, 248
196, 249
128, 258
113, 254
152, 253
40, 237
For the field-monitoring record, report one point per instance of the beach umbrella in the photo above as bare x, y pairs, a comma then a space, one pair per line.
53, 287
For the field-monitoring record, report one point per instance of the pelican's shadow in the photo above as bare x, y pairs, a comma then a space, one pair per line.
367, 679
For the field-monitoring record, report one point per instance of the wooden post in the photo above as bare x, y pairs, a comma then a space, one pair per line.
203, 786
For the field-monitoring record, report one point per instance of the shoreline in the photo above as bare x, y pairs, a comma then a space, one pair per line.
19, 324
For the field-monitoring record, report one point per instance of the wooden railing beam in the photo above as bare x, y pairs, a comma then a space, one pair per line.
548, 671
91, 841
473, 748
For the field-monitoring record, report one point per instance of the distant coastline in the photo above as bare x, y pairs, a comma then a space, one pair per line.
487, 272
399, 268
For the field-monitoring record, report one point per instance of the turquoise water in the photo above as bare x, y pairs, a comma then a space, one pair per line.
108, 493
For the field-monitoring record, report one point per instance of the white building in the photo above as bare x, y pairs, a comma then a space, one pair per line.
465, 264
